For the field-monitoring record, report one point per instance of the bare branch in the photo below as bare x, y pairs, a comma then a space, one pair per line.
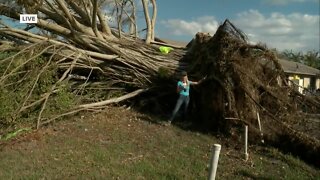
53, 88
154, 16
133, 26
114, 100
79, 10
104, 26
79, 27
148, 22
94, 19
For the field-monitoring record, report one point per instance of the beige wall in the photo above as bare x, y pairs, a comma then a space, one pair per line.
306, 82
298, 80
290, 78
303, 81
301, 85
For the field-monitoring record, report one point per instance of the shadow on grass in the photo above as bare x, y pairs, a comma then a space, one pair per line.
250, 175
187, 125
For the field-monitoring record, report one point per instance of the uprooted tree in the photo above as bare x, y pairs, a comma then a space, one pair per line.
247, 81
76, 38
85, 56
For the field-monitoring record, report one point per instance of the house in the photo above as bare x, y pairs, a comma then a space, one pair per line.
305, 77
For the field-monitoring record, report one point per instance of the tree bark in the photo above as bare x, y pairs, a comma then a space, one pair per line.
154, 17
148, 21
133, 24
104, 26
94, 19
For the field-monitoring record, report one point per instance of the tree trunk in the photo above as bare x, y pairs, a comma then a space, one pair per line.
148, 21
154, 17
94, 19
133, 24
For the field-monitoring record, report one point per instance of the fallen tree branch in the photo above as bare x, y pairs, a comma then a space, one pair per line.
114, 100
52, 90
35, 83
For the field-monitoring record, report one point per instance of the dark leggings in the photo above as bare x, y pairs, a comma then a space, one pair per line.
182, 100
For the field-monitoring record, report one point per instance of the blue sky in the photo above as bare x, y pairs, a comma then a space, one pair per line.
281, 24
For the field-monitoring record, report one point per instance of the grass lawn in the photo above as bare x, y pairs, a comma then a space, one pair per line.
124, 144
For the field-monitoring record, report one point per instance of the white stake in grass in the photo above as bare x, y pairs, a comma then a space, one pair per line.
214, 161
260, 127
246, 155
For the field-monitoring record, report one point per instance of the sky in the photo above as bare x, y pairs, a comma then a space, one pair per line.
281, 24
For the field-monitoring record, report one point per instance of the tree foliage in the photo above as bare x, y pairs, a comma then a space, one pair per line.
310, 58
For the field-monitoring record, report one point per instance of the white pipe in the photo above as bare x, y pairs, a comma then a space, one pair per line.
259, 122
246, 143
214, 161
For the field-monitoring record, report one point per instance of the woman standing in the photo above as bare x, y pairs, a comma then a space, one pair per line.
183, 88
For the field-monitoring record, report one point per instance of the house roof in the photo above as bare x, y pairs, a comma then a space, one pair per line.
172, 42
298, 68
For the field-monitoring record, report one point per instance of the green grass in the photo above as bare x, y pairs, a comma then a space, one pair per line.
116, 144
